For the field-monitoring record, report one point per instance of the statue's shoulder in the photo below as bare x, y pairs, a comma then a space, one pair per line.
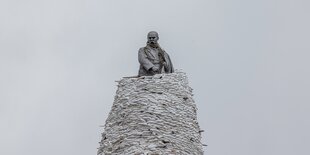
141, 49
163, 50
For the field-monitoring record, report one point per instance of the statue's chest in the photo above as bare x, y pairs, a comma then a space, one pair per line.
153, 54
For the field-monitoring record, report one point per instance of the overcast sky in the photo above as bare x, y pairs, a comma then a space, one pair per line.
247, 61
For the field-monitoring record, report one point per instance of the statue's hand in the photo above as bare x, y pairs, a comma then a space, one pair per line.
155, 69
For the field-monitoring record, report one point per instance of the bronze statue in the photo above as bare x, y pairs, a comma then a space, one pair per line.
152, 58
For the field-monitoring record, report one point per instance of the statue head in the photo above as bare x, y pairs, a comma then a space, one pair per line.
152, 38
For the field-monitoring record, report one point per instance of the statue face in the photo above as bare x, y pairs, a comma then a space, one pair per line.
152, 37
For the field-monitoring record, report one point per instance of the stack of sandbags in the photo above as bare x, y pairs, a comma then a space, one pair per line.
152, 115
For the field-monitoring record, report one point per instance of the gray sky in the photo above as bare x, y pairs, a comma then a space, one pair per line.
248, 62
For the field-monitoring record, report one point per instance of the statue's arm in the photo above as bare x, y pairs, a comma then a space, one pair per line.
143, 60
168, 64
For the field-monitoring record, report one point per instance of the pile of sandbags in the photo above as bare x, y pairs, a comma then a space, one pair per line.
154, 115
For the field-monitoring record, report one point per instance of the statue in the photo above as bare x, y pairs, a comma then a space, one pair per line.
152, 58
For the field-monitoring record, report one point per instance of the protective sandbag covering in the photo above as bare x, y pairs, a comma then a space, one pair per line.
152, 115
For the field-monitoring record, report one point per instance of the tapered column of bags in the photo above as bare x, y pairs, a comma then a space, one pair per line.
152, 115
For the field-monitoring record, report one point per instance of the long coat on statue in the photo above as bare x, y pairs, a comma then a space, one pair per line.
147, 60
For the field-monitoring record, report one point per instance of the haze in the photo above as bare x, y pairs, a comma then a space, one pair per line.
247, 61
